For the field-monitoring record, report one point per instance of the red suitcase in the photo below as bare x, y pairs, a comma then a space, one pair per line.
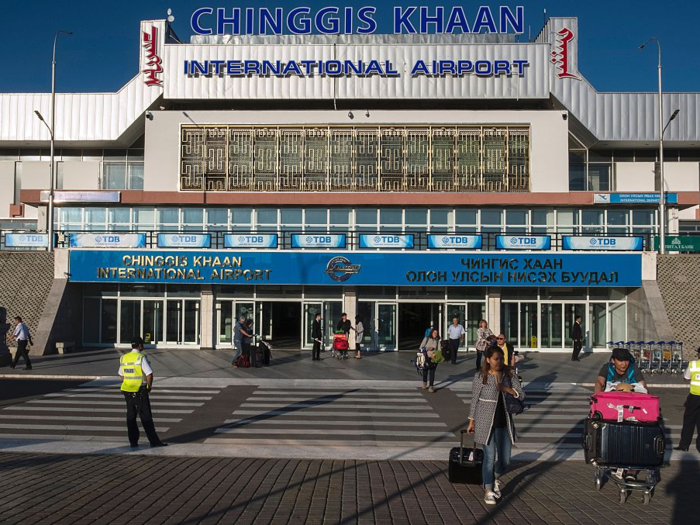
625, 406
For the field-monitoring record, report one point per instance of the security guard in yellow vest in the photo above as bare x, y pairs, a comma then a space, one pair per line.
691, 417
137, 379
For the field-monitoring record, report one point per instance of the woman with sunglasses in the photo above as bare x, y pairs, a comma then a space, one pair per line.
493, 427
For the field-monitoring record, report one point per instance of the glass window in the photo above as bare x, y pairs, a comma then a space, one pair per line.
135, 176
316, 216
145, 216
592, 217
168, 216
643, 217
119, 215
618, 217
542, 217
291, 216
491, 217
416, 216
114, 175
599, 155
577, 171
244, 215
440, 217
599, 177
217, 216
465, 217
192, 215
265, 216
340, 217
646, 155
390, 217
95, 215
366, 216
516, 217
71, 215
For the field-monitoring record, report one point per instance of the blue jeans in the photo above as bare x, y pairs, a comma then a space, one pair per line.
499, 445
237, 351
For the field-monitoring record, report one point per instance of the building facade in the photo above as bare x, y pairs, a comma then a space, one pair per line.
402, 179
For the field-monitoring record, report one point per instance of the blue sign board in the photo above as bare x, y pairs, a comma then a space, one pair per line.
452, 242
607, 244
633, 198
107, 240
386, 241
523, 242
357, 268
26, 240
248, 240
184, 240
311, 240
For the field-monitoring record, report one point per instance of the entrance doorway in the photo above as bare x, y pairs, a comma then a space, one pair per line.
281, 322
414, 320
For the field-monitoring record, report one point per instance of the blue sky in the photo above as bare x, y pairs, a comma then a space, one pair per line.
102, 54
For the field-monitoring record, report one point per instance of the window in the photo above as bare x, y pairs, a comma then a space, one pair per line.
516, 221
577, 171
592, 221
599, 176
122, 175
618, 222
542, 221
491, 220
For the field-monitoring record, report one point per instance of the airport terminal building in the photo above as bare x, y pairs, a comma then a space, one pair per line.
403, 178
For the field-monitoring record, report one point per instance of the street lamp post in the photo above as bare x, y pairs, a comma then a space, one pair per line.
52, 128
662, 179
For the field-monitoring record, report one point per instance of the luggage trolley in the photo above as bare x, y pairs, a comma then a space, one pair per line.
625, 488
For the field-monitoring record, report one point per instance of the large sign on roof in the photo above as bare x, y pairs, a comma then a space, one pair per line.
349, 20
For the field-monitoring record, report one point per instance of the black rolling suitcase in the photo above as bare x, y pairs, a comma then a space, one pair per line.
258, 360
623, 444
465, 464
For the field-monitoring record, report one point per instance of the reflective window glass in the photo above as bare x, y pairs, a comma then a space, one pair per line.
145, 215
516, 217
291, 216
465, 217
390, 217
119, 215
244, 215
618, 217
440, 217
491, 217
592, 217
542, 217
366, 216
168, 216
316, 216
265, 216
340, 217
95, 215
217, 216
192, 215
643, 217
416, 216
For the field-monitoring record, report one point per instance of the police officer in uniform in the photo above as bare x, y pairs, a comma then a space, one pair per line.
691, 417
137, 379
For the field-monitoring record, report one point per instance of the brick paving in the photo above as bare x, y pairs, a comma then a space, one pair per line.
57, 489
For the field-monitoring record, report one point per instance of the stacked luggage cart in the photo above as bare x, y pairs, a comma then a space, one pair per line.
624, 438
655, 357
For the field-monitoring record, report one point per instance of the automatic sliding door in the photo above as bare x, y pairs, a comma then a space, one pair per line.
386, 326
191, 321
310, 311
460, 312
571, 311
152, 322
475, 313
551, 326
173, 322
528, 325
130, 321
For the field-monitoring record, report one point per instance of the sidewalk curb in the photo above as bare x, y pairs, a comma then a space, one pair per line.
649, 385
50, 376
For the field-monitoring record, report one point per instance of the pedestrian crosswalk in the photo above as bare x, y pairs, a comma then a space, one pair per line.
381, 416
96, 411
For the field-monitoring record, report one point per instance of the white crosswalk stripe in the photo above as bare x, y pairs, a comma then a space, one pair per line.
95, 411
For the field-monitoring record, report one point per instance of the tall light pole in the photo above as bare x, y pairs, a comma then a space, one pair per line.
52, 129
662, 181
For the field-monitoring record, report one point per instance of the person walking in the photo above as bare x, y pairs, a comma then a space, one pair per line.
344, 325
23, 338
430, 346
137, 381
691, 416
577, 336
359, 334
506, 348
239, 332
317, 336
455, 334
482, 341
493, 427
247, 340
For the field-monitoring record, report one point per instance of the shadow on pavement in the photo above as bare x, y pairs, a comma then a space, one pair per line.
684, 488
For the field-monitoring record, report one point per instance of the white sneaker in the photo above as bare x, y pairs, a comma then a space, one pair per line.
497, 488
490, 498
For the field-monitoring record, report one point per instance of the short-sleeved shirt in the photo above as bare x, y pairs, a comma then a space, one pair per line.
21, 332
455, 332
636, 375
145, 368
237, 334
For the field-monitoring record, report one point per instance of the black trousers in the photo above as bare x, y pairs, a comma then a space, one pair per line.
316, 352
454, 346
691, 422
479, 356
429, 370
22, 351
138, 403
577, 348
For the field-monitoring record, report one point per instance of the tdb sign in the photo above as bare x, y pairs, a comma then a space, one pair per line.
454, 242
625, 244
386, 241
183, 240
523, 242
26, 240
250, 241
107, 240
308, 240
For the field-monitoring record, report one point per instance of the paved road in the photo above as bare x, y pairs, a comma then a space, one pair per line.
61, 489
301, 418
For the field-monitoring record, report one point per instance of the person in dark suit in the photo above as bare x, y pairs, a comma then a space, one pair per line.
577, 336
317, 335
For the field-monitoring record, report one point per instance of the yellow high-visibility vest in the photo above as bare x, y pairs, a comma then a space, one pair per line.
694, 367
132, 371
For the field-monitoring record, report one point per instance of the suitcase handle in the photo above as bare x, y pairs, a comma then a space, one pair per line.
462, 433
660, 444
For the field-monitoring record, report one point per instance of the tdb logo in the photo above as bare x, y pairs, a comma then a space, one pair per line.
32, 238
387, 239
604, 242
184, 238
319, 240
251, 239
528, 241
107, 239
455, 240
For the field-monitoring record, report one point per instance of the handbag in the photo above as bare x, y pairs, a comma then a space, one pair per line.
439, 357
514, 405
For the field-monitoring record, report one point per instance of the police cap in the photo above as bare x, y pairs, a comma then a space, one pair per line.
136, 342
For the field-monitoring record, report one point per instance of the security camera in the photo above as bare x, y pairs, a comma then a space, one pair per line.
367, 114
162, 108
564, 116
350, 115
149, 115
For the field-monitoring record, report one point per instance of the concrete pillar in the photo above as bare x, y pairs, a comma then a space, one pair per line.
493, 307
207, 317
350, 308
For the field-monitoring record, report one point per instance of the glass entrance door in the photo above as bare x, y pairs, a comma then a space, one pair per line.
331, 315
130, 321
182, 321
460, 312
571, 311
310, 311
551, 324
386, 326
152, 322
